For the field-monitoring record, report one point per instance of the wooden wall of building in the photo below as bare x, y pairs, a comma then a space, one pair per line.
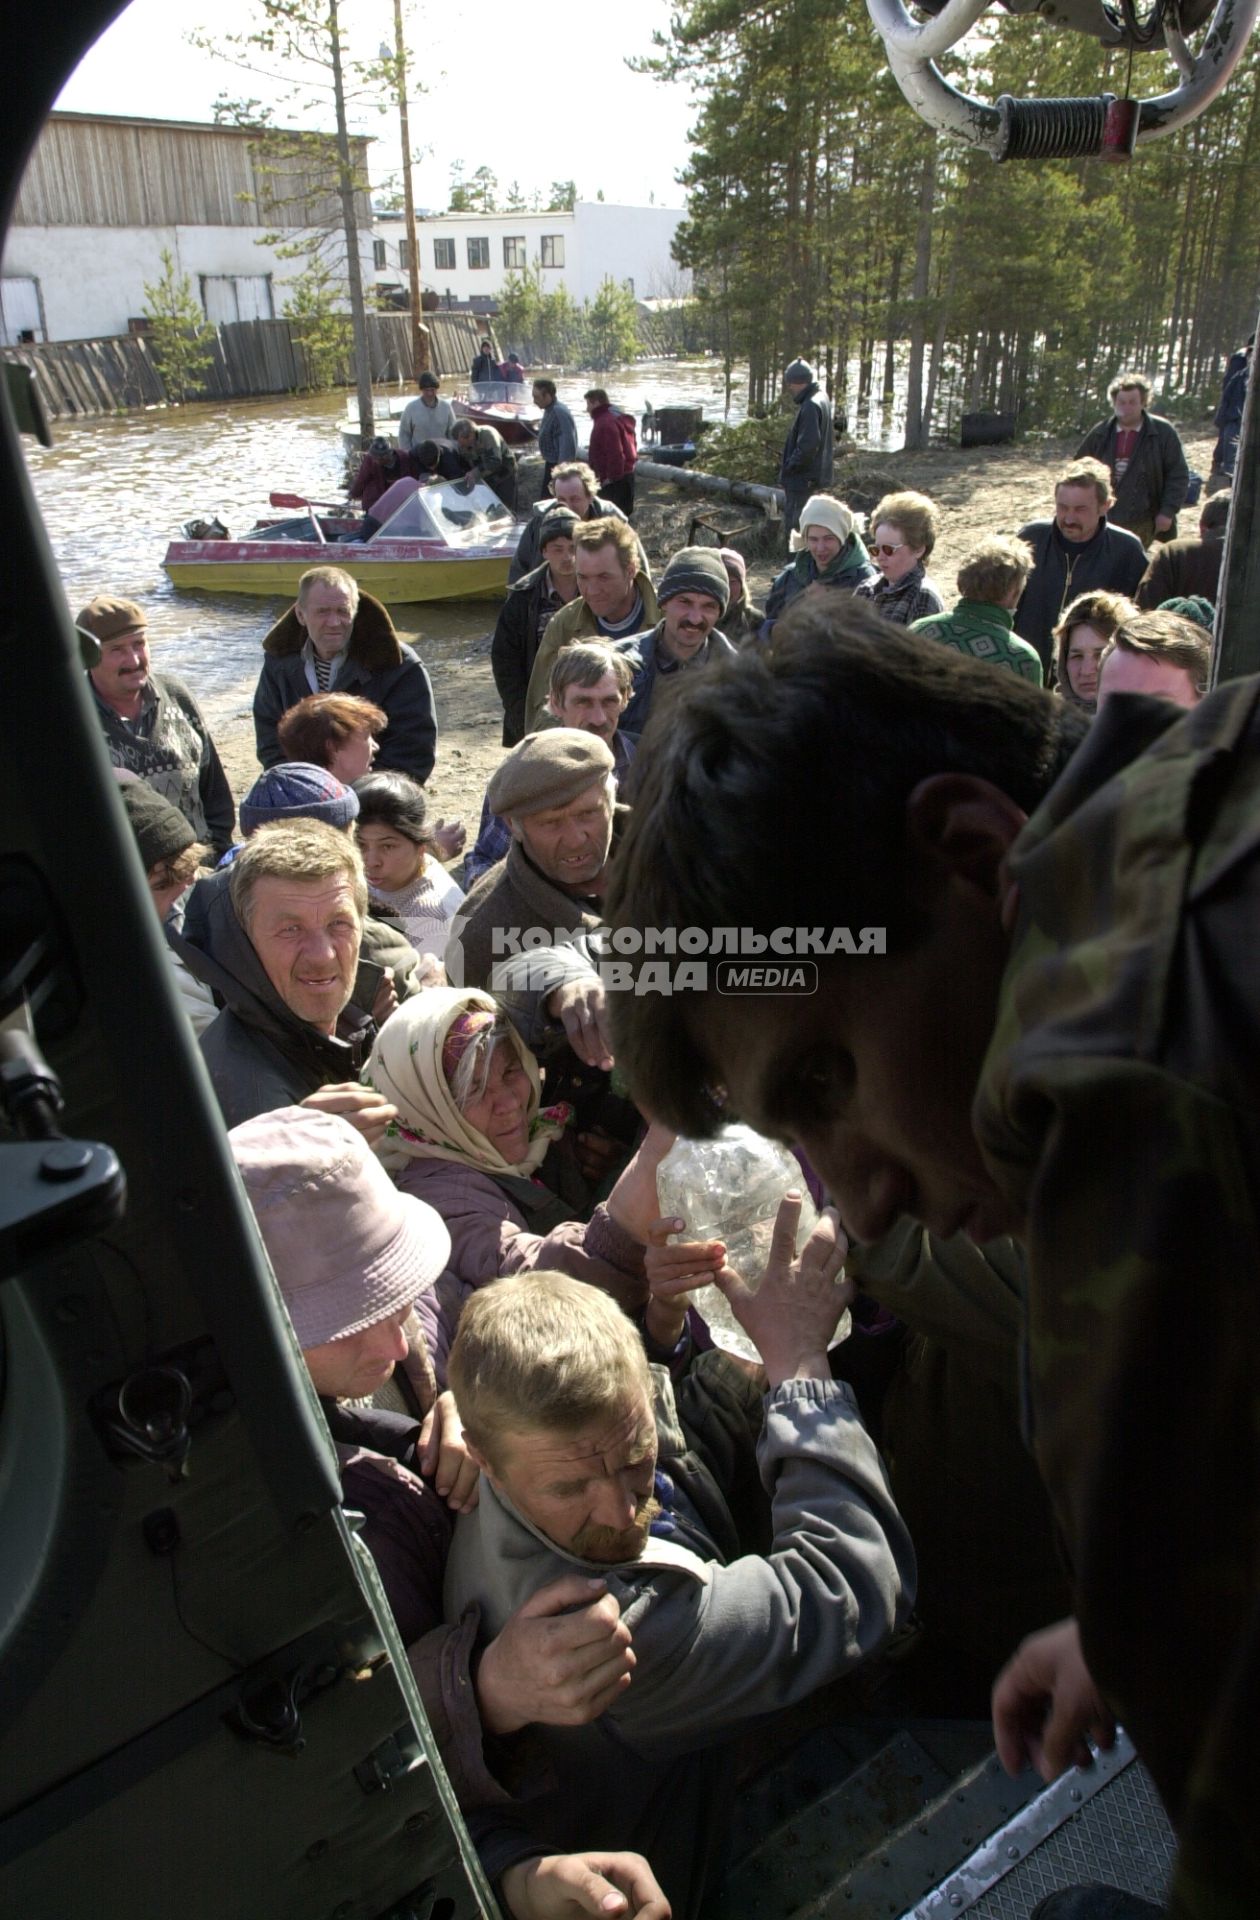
88, 171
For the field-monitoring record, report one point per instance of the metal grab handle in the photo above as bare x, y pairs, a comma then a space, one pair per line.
1055, 129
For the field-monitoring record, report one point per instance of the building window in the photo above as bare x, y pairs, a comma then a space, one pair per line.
514, 253
478, 253
378, 255
444, 254
553, 250
236, 296
404, 257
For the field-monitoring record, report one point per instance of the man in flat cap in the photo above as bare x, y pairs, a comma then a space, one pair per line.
556, 792
153, 727
692, 595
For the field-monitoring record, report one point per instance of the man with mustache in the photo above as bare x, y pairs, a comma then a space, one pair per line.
692, 595
586, 1467
153, 727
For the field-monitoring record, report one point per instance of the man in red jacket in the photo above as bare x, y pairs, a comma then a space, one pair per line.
613, 450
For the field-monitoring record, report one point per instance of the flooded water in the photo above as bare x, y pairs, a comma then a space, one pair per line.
113, 491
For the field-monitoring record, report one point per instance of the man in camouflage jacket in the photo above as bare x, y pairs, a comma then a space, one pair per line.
1060, 1041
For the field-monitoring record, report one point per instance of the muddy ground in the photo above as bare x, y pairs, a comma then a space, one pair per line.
994, 490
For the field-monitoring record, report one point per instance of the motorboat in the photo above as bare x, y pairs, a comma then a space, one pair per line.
491, 403
501, 404
451, 540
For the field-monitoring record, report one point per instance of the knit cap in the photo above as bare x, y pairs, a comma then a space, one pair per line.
695, 570
731, 558
558, 520
107, 616
297, 790
548, 770
820, 510
797, 370
1191, 607
161, 831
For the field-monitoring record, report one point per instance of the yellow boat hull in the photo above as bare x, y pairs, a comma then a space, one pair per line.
390, 580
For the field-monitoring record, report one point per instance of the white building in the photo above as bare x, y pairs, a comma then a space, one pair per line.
468, 255
103, 196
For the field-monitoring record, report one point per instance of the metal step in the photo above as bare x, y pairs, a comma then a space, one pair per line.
1104, 1824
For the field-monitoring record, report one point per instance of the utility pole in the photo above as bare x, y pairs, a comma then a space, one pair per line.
419, 332
349, 219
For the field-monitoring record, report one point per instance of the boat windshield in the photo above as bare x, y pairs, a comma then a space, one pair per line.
459, 513
500, 393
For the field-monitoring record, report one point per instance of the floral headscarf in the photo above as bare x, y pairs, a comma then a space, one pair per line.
406, 1067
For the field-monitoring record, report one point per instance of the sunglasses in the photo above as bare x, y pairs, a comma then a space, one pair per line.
886, 550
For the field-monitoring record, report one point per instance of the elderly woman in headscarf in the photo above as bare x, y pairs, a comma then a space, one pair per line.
473, 1139
829, 553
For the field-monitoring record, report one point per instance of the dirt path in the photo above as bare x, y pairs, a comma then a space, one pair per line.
995, 490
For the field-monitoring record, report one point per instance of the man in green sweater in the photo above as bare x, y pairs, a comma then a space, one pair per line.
991, 581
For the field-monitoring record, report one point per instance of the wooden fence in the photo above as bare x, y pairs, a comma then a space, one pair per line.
251, 357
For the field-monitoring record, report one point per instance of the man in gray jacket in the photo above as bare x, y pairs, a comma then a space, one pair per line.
585, 1467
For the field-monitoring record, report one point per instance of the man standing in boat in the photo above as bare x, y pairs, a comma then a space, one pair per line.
485, 367
427, 417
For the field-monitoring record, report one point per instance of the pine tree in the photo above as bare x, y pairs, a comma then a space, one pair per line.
180, 339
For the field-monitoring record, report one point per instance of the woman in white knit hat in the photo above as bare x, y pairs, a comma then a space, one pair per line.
829, 554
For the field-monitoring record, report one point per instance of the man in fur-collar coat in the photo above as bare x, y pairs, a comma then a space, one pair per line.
336, 639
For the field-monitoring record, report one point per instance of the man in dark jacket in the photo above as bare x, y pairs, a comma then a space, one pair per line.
576, 491
153, 727
529, 606
1180, 569
1076, 552
1229, 417
485, 367
692, 596
809, 450
334, 639
280, 947
299, 790
1145, 458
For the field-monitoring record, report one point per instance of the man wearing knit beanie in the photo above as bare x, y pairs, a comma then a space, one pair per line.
555, 790
692, 594
170, 854
809, 450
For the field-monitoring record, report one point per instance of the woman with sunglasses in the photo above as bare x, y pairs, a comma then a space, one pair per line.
906, 526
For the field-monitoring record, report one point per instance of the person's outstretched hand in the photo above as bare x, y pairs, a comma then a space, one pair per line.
792, 1315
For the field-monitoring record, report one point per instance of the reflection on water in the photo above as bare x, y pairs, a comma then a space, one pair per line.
113, 491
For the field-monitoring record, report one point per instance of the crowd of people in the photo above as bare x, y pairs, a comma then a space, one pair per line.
613, 1549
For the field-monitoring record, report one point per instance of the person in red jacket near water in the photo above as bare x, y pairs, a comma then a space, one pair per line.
613, 449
